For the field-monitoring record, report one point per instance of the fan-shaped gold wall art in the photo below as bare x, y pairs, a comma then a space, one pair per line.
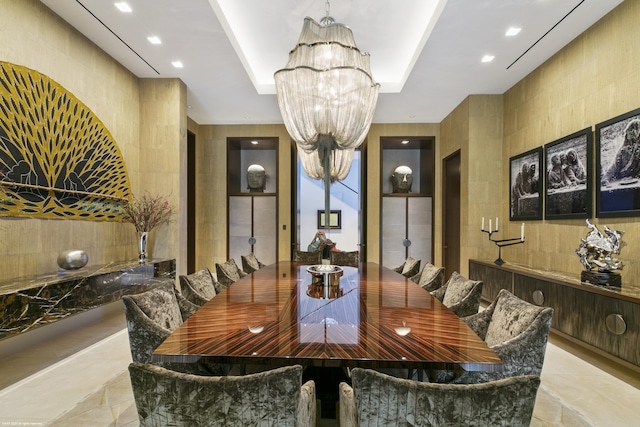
57, 159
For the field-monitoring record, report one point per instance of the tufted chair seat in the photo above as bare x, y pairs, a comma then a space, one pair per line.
460, 295
151, 317
351, 259
271, 398
198, 287
228, 273
376, 399
409, 267
430, 278
517, 331
250, 263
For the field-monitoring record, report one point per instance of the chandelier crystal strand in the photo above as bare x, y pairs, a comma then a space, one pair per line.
326, 92
327, 88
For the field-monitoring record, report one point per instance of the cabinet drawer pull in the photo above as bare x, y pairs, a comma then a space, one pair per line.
538, 297
616, 324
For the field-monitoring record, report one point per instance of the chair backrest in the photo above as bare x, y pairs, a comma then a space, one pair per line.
164, 397
351, 259
228, 273
198, 287
431, 277
511, 317
160, 305
409, 268
517, 331
312, 258
384, 400
250, 263
460, 295
151, 317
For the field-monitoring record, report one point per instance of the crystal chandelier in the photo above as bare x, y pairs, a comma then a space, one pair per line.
327, 97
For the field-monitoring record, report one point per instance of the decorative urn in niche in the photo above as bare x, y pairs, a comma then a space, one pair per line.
72, 259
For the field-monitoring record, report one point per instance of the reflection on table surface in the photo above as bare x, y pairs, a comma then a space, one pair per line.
374, 318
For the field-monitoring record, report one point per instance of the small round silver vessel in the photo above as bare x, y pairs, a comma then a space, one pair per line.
72, 259
325, 281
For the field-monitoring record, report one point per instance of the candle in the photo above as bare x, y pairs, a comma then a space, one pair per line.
482, 224
489, 226
496, 223
522, 232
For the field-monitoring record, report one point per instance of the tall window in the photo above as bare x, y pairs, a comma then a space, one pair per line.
345, 199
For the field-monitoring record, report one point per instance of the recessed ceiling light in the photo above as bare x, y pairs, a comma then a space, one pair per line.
154, 40
177, 64
512, 31
123, 6
254, 142
404, 141
488, 58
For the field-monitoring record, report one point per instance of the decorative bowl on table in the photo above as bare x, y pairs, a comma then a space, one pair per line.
325, 281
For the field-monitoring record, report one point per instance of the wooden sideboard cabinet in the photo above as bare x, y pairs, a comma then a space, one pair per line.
603, 319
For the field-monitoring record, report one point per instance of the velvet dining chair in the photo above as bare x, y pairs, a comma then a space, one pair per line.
227, 273
348, 258
460, 295
430, 277
516, 330
377, 399
250, 263
409, 267
151, 317
198, 287
275, 398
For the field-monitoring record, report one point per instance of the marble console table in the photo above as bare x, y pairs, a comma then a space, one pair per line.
30, 302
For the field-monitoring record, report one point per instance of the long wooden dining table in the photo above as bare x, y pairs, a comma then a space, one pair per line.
373, 317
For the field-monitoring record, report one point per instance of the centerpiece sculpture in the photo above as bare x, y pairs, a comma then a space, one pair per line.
325, 281
598, 254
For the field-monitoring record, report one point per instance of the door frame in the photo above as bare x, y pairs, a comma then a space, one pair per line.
447, 221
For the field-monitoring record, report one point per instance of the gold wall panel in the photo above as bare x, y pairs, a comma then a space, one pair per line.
57, 159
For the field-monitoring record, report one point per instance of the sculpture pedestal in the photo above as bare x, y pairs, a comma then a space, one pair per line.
601, 278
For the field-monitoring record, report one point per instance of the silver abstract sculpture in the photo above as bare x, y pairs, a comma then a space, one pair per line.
598, 251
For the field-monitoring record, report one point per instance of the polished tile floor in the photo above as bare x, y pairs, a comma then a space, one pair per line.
75, 375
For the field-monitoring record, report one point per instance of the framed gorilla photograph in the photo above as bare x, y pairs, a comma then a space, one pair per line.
567, 189
525, 185
618, 166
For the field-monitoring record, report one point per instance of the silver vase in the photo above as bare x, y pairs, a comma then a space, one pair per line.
143, 238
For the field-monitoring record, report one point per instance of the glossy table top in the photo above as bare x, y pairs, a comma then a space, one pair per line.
277, 316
